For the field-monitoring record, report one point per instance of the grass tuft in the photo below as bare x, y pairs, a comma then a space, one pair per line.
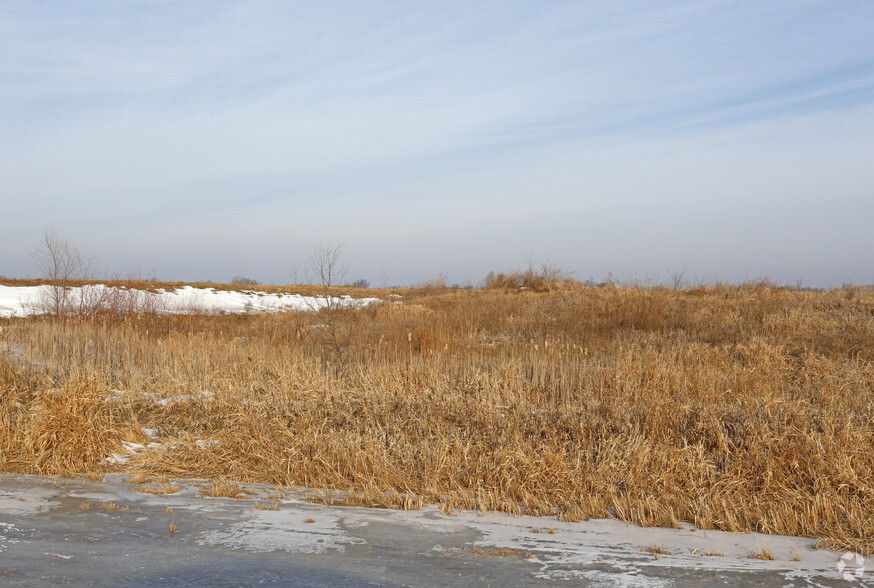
762, 553
222, 487
162, 488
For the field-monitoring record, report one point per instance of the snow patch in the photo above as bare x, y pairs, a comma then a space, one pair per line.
283, 530
202, 395
22, 301
130, 448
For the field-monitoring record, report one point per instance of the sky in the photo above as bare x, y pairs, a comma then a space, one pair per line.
200, 140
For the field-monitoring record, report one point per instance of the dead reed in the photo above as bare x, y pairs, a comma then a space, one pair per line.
736, 408
762, 553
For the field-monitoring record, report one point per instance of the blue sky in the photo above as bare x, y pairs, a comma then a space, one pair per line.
202, 140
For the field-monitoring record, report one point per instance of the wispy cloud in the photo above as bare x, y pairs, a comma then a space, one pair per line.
512, 126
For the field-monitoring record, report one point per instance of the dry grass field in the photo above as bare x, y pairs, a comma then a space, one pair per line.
741, 408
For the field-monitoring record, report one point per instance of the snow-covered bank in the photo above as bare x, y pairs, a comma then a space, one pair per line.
20, 301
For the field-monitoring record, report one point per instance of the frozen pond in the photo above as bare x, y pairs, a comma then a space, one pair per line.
106, 533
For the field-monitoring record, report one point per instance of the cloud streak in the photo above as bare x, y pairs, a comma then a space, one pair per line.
483, 133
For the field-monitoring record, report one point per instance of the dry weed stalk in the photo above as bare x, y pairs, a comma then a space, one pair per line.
762, 553
737, 408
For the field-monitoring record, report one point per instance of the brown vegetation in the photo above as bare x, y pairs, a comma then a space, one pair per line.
163, 488
762, 553
737, 408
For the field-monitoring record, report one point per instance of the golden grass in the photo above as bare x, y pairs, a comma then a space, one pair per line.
71, 429
508, 552
736, 408
762, 553
221, 487
162, 488
138, 479
490, 552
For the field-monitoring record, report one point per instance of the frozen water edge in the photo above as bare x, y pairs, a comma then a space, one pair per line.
395, 543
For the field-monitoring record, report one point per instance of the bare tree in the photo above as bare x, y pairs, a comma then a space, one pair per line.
678, 274
61, 262
332, 315
325, 267
385, 278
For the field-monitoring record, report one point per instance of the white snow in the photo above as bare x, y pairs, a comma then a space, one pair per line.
129, 448
285, 530
20, 301
203, 395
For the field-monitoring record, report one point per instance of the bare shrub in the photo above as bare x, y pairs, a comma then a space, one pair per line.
67, 292
67, 271
678, 277
244, 281
332, 320
548, 277
121, 301
437, 283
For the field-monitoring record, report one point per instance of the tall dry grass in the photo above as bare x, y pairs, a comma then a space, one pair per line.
737, 408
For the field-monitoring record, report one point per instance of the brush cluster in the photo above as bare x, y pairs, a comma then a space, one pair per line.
737, 408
